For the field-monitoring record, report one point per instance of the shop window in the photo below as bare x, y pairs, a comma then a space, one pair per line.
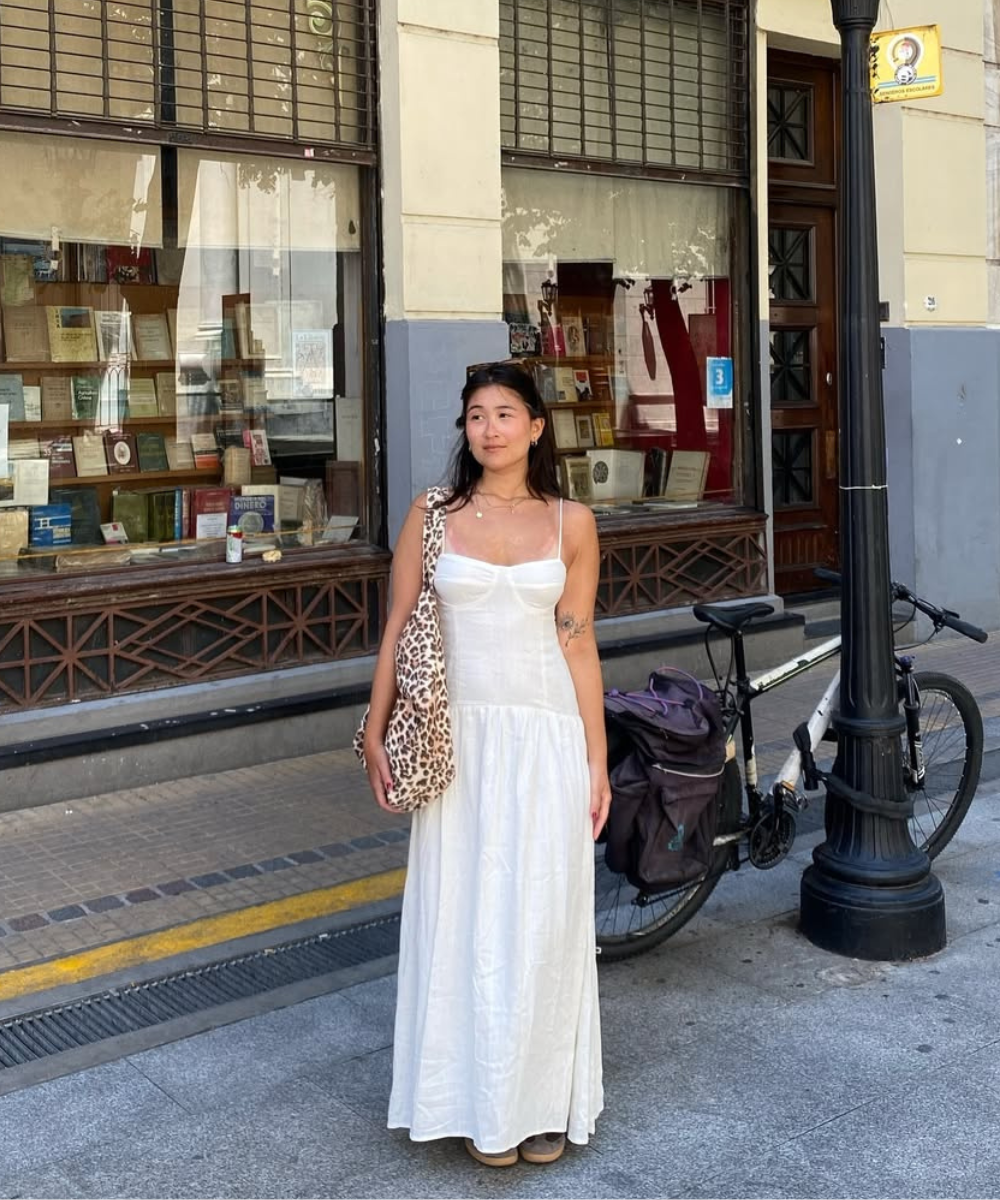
618, 295
181, 354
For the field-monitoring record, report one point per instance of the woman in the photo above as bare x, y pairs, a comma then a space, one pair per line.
497, 1027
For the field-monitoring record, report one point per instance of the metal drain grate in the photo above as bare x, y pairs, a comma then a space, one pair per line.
124, 1010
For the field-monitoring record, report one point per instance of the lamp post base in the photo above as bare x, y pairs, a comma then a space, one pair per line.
881, 924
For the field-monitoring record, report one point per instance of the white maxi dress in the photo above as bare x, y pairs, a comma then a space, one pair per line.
497, 1032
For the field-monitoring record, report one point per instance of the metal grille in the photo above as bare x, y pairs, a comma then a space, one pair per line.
301, 70
648, 82
41, 1034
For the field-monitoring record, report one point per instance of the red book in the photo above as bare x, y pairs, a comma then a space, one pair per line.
210, 511
120, 451
126, 265
59, 452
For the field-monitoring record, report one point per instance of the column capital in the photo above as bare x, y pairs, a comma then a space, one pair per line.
855, 14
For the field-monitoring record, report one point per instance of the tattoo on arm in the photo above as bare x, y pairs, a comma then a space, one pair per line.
570, 626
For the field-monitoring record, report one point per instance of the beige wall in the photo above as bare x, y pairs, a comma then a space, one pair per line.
441, 158
930, 161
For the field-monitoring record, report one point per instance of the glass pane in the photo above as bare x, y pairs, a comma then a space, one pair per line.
790, 263
792, 467
791, 366
618, 297
166, 378
789, 122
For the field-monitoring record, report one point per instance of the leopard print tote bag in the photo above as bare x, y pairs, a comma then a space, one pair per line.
418, 739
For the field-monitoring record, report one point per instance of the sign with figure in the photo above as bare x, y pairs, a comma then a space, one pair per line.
906, 64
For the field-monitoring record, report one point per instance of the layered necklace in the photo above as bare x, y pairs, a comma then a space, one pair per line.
510, 502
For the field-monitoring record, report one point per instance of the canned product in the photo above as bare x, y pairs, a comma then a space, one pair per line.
234, 544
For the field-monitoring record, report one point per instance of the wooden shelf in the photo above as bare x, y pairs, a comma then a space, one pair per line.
89, 423
133, 476
88, 366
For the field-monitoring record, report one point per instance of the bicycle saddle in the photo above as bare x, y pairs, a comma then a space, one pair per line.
731, 617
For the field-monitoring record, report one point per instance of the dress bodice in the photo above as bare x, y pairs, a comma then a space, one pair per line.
498, 625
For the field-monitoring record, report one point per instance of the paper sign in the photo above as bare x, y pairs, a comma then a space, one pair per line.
719, 382
906, 64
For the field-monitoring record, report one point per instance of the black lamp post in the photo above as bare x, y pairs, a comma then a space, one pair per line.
869, 893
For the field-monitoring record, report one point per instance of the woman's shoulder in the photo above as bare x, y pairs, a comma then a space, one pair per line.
431, 498
577, 517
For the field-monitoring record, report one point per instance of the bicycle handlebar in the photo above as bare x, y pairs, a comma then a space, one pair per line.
941, 617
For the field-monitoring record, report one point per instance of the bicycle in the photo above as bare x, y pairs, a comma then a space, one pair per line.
942, 753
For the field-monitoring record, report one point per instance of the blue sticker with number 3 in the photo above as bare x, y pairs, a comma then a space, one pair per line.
719, 382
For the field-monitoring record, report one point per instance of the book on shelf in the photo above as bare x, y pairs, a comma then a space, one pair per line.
253, 513
180, 457
51, 525
59, 451
686, 476
88, 449
656, 471
131, 511
585, 430
142, 398
349, 428
545, 382
85, 512
205, 449
86, 393
617, 474
576, 479
603, 433
265, 491
255, 441
57, 398
581, 382
163, 509
92, 263
564, 384
12, 394
31, 481
121, 451
564, 430
210, 511
235, 466
152, 451
71, 333
172, 327
128, 264
32, 402
13, 531
166, 394
18, 448
114, 333
264, 474
25, 334
17, 280
152, 336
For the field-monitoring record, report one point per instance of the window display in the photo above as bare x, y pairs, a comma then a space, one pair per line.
180, 353
618, 298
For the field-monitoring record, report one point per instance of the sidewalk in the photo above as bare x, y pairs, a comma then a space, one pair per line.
110, 881
739, 1061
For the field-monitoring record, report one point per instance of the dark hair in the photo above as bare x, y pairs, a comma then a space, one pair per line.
465, 472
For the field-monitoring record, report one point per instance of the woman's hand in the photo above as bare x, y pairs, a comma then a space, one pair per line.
379, 774
600, 798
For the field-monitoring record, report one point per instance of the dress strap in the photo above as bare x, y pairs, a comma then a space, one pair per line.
559, 546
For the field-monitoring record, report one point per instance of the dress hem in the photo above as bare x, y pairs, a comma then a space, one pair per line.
440, 1137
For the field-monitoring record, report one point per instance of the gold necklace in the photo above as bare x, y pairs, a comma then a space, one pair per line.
512, 502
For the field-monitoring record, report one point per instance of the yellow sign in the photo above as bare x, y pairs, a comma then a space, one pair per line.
906, 64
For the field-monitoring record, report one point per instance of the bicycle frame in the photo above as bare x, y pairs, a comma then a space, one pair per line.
749, 689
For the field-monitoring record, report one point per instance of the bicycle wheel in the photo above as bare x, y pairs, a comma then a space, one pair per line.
629, 922
951, 731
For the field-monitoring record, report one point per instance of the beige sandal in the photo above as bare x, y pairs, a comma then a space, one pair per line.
505, 1158
543, 1147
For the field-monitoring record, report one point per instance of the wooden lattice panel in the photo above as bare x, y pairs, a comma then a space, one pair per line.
646, 568
185, 628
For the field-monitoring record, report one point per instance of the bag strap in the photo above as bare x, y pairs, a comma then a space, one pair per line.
433, 531
683, 674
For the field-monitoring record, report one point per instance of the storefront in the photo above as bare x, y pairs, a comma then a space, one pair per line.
626, 281
189, 290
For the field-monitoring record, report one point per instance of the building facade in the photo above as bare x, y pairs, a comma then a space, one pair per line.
250, 251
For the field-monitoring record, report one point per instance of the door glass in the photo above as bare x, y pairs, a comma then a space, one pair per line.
791, 366
790, 264
789, 122
792, 467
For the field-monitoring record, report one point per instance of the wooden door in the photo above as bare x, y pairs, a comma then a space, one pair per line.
802, 252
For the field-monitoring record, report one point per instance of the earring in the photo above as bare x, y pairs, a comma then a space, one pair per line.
534, 443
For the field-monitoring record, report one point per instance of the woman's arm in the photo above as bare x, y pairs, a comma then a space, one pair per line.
575, 625
405, 584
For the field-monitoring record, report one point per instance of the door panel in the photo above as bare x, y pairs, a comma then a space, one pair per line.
804, 402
